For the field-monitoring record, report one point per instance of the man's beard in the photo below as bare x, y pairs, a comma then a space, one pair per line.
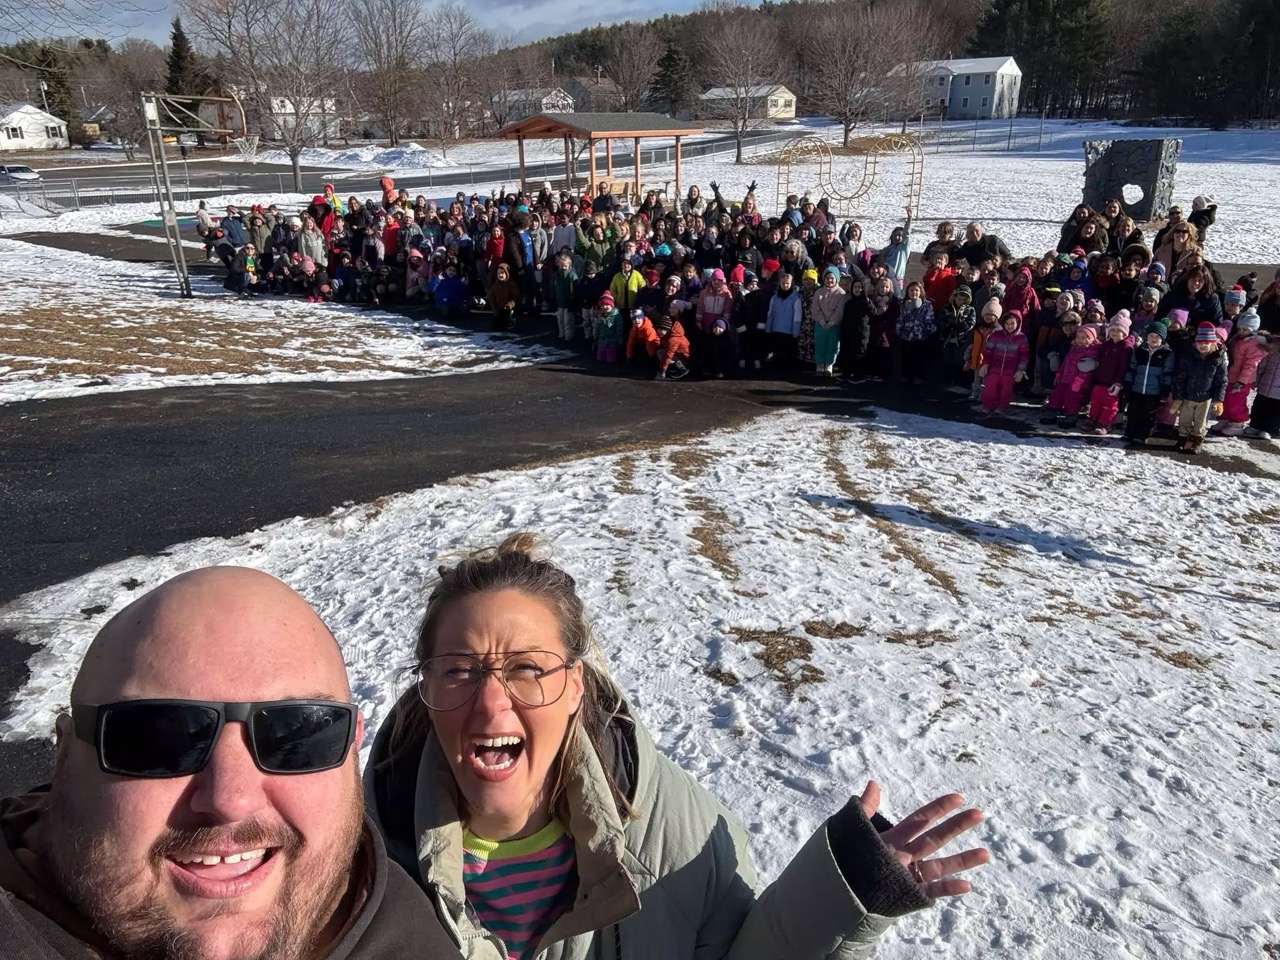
136, 926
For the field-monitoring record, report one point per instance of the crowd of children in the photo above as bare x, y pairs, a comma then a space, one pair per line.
1109, 329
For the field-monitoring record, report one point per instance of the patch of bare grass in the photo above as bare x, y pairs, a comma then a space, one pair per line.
622, 533
710, 533
726, 678
689, 463
624, 475
919, 638
828, 535
832, 438
778, 651
833, 631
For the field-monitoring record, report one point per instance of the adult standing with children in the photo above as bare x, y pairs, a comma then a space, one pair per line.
515, 758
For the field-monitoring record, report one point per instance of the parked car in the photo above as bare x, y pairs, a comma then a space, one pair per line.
17, 173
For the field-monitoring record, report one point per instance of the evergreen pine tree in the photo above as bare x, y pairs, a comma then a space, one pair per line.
179, 78
674, 83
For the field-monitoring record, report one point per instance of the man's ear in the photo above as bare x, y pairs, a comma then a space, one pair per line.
359, 740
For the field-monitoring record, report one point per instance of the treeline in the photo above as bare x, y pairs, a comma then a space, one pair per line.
1206, 61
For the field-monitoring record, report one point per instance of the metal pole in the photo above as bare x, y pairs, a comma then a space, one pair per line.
975, 134
1040, 145
1009, 145
75, 192
168, 216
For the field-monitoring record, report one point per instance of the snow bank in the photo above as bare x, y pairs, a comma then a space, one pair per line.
408, 156
1079, 640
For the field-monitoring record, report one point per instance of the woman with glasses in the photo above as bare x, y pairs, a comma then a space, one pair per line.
1179, 243
514, 784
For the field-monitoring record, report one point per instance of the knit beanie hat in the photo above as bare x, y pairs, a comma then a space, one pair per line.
1200, 203
606, 300
1078, 296
1159, 328
1177, 318
1248, 322
717, 274
1095, 306
1206, 333
770, 266
810, 275
1151, 293
308, 265
1121, 321
1090, 331
833, 272
1157, 268
1237, 295
993, 307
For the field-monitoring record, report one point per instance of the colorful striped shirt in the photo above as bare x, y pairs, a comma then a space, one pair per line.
519, 888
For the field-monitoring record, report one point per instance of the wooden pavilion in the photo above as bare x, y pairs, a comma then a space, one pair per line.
594, 127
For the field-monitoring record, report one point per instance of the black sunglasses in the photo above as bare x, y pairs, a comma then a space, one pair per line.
175, 738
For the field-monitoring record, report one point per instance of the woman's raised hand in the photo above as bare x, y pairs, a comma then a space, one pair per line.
915, 837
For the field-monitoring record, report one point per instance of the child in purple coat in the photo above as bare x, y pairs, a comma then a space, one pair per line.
1108, 380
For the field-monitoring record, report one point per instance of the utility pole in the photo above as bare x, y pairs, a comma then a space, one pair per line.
44, 94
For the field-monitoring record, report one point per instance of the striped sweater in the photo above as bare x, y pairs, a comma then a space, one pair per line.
519, 888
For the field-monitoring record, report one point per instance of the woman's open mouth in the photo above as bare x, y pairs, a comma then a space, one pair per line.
496, 758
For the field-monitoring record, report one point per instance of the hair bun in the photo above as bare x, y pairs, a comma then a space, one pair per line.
522, 544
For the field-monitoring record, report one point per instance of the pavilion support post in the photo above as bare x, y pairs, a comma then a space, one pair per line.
592, 151
608, 158
637, 150
520, 144
676, 200
568, 164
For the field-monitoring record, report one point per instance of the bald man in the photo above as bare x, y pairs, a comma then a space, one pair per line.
206, 800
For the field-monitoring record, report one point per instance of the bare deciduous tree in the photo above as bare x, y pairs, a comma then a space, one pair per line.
743, 60
631, 62
388, 34
453, 44
134, 68
38, 19
286, 60
871, 60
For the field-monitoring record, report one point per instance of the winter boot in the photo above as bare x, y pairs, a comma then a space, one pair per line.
1195, 444
1254, 434
1184, 445
1068, 423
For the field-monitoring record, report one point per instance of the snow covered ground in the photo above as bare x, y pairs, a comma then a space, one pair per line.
1079, 640
76, 324
1025, 193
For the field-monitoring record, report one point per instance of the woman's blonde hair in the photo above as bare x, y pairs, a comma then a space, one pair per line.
521, 563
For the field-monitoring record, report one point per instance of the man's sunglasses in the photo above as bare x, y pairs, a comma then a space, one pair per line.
175, 738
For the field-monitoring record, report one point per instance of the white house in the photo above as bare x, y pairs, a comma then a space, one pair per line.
513, 105
981, 88
27, 127
768, 101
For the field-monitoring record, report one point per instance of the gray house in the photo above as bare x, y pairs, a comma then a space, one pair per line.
982, 88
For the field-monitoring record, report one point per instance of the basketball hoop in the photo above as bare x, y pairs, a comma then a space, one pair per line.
248, 147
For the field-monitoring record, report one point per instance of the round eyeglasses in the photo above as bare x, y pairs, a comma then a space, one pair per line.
535, 678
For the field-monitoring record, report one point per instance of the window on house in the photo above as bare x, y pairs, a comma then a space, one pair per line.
987, 80
773, 101
967, 80
984, 101
964, 102
13, 133
52, 133
928, 101
788, 102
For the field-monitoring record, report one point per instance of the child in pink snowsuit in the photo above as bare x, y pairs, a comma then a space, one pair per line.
1005, 356
1108, 380
1075, 379
1246, 349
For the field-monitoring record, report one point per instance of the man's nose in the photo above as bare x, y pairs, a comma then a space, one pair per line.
231, 787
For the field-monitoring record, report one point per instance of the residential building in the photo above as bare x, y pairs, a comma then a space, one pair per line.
27, 127
982, 88
767, 102
513, 105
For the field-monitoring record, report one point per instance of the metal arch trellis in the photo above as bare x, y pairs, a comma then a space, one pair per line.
841, 200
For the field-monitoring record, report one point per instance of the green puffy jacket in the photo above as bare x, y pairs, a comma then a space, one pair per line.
675, 883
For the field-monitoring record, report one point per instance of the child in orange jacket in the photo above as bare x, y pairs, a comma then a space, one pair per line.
642, 336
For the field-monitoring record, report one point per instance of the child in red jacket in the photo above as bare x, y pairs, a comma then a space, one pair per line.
940, 281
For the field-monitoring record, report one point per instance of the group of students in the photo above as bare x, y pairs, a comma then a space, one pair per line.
714, 286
